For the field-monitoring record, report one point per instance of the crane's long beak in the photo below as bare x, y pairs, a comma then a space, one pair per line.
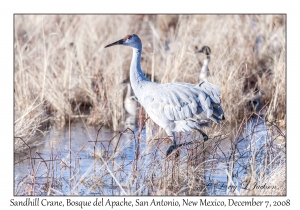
121, 41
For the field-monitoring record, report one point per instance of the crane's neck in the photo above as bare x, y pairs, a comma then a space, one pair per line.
137, 77
204, 69
128, 93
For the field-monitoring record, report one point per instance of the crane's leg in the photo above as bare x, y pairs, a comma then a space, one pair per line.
174, 138
174, 146
205, 137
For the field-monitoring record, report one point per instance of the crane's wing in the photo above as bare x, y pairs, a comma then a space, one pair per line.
182, 102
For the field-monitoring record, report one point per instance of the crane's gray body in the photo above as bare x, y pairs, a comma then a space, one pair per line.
180, 107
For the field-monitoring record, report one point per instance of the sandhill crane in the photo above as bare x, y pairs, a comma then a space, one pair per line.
177, 106
204, 70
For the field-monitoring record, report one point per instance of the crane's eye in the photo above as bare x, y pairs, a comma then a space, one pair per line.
127, 37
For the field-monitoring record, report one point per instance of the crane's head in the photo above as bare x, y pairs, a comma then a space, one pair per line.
206, 50
130, 40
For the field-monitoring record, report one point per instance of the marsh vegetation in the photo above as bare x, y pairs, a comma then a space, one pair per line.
63, 76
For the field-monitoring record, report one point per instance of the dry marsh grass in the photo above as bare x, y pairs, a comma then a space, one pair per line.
62, 71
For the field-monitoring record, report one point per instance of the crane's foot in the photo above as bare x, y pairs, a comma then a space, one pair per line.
170, 149
205, 137
175, 146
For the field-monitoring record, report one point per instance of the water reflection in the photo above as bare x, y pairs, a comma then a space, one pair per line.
130, 122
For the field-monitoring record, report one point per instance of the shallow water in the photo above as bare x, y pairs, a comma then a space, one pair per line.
50, 156
117, 163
